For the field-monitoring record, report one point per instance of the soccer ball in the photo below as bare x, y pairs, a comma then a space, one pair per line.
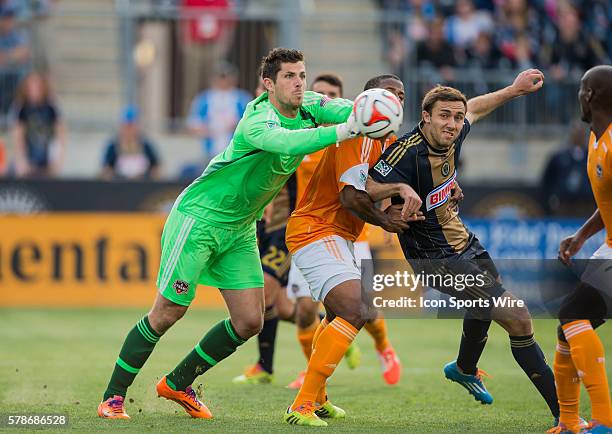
378, 112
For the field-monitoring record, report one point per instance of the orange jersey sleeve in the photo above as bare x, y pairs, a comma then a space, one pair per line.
319, 212
599, 169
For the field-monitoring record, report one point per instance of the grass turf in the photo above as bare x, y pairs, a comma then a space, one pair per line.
59, 361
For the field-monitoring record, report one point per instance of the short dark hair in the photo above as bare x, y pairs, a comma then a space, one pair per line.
375, 81
442, 93
271, 63
330, 78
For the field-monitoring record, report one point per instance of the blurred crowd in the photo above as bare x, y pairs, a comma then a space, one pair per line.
452, 41
564, 37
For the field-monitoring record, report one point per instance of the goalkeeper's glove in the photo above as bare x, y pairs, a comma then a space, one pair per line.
348, 129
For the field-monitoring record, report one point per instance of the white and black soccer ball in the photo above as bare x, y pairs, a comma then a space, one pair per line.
378, 112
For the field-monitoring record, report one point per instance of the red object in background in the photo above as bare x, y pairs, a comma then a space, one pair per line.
207, 27
3, 161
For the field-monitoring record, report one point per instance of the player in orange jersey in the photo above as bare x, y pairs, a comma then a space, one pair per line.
580, 353
275, 261
307, 310
320, 236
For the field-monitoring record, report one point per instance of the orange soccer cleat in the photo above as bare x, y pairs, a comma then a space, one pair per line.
297, 383
185, 398
390, 364
113, 408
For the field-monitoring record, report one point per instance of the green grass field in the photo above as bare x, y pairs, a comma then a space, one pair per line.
59, 361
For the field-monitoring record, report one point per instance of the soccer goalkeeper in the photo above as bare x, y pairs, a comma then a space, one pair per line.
210, 238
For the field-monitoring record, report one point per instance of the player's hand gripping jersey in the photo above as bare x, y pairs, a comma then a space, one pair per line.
431, 173
319, 212
265, 150
599, 169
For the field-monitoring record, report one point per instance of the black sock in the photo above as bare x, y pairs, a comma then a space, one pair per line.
267, 339
473, 341
531, 359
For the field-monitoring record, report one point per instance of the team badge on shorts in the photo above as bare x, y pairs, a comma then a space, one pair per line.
382, 167
180, 286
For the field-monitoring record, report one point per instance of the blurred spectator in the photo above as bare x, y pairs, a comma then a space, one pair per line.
208, 35
39, 131
598, 18
517, 30
573, 51
436, 52
484, 54
464, 27
215, 112
14, 56
130, 155
565, 183
400, 37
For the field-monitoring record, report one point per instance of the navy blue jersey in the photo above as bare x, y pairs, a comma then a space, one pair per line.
431, 172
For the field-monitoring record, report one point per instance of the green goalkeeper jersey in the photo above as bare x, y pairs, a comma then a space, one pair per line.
266, 149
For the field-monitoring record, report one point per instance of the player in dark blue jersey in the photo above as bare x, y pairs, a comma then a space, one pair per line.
426, 159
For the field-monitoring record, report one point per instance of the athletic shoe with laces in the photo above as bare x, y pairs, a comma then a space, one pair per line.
304, 415
113, 408
330, 411
472, 383
561, 428
390, 365
297, 383
185, 398
596, 428
353, 356
254, 374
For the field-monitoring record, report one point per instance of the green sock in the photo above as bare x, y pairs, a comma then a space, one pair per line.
136, 349
220, 341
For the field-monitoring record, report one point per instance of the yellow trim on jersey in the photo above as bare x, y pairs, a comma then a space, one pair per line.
397, 149
401, 149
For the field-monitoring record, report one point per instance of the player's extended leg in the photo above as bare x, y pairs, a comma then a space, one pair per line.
261, 372
307, 324
389, 361
526, 351
587, 353
583, 302
136, 349
344, 300
246, 318
568, 388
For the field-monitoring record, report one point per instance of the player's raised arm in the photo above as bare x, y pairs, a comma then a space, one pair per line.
526, 82
328, 110
270, 136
